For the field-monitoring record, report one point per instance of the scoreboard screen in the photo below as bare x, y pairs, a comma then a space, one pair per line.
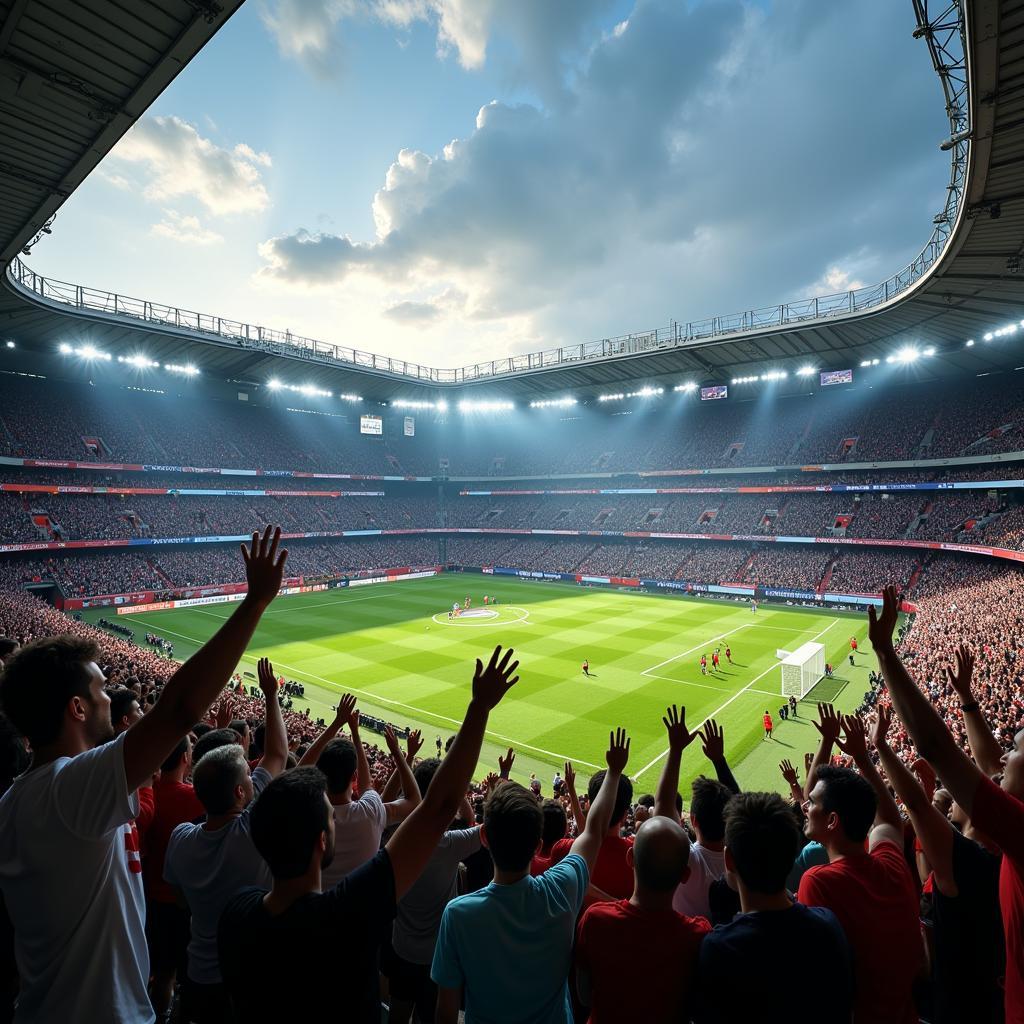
836, 377
713, 393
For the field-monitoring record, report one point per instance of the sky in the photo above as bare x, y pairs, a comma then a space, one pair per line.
452, 181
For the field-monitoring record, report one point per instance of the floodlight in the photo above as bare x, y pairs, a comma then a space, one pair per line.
65, 349
970, 343
805, 371
907, 354
273, 384
930, 350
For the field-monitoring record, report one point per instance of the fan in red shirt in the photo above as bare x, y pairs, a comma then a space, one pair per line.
555, 827
998, 811
642, 937
870, 891
613, 872
167, 925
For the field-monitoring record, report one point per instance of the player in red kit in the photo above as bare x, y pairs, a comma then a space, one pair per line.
586, 668
714, 662
728, 655
767, 726
703, 664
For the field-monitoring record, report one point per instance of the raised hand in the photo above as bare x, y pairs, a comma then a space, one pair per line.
808, 761
491, 781
960, 678
268, 681
394, 747
346, 707
225, 713
505, 763
679, 737
926, 776
881, 626
789, 773
569, 776
264, 566
880, 725
617, 755
353, 721
490, 684
829, 723
413, 743
855, 744
713, 740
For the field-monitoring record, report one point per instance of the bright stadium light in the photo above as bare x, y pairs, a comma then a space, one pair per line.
274, 384
10, 343
988, 336
930, 350
614, 397
969, 343
185, 369
806, 371
468, 406
409, 403
646, 392
138, 360
65, 349
442, 406
907, 354
688, 386
346, 397
554, 403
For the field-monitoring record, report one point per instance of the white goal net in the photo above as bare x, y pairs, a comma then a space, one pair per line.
801, 669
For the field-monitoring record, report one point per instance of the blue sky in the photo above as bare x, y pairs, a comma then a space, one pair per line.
455, 180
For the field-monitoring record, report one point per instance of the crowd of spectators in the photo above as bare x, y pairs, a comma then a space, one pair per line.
800, 569
113, 424
176, 828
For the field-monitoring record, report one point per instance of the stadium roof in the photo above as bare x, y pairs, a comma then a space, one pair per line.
966, 283
75, 75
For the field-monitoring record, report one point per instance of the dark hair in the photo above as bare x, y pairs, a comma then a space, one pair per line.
648, 801
121, 700
40, 679
707, 807
259, 739
212, 740
513, 823
217, 775
338, 763
763, 834
849, 795
424, 773
7, 646
555, 822
241, 726
288, 818
200, 730
173, 759
623, 798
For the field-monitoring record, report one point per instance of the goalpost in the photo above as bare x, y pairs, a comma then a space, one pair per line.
801, 669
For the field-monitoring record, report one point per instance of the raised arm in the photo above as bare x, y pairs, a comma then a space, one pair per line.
394, 784
789, 773
346, 706
413, 843
275, 746
984, 746
932, 829
364, 780
505, 763
578, 814
599, 819
888, 823
400, 809
679, 738
713, 743
934, 743
828, 726
197, 684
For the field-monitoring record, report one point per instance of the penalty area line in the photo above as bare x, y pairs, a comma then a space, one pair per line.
738, 693
377, 699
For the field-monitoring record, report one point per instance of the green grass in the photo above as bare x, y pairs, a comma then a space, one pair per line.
393, 646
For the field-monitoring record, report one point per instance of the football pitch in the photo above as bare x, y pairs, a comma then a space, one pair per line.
393, 646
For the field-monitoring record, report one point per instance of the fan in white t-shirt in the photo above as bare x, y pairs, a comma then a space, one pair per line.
70, 874
360, 822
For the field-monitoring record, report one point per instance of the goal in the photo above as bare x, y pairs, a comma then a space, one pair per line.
801, 669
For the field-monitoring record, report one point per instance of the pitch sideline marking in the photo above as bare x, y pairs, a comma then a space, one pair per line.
738, 693
399, 704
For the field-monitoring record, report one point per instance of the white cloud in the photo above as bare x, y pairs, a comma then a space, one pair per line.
176, 161
185, 229
681, 178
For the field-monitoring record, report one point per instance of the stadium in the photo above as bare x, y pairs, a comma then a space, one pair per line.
700, 515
